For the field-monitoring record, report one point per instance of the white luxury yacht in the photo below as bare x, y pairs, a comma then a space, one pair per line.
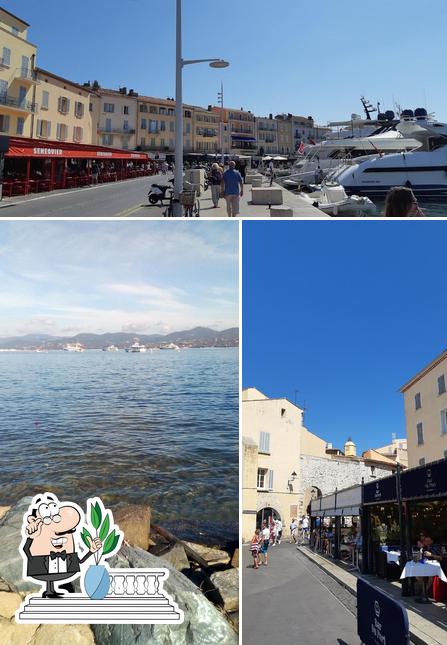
73, 347
332, 153
170, 346
110, 348
423, 169
136, 348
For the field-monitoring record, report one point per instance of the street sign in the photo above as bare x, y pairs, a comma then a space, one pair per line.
381, 620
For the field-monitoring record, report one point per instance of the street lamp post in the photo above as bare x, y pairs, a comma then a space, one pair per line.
180, 64
220, 97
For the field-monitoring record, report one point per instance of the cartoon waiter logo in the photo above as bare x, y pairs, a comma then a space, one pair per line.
49, 549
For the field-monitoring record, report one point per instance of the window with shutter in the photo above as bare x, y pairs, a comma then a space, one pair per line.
264, 442
270, 479
420, 433
417, 401
441, 384
444, 421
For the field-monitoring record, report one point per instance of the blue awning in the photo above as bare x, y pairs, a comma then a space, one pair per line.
237, 137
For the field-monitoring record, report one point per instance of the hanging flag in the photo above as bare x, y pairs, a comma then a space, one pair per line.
301, 149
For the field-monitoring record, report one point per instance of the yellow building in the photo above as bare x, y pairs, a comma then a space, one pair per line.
156, 125
274, 437
425, 402
18, 78
64, 110
207, 131
114, 117
241, 129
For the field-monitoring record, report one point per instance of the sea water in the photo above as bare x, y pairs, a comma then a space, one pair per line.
157, 428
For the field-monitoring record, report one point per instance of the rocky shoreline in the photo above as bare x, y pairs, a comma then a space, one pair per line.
203, 580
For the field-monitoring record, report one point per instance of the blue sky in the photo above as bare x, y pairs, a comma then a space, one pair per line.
346, 313
289, 56
140, 277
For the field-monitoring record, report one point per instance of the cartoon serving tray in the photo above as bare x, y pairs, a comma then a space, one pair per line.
109, 596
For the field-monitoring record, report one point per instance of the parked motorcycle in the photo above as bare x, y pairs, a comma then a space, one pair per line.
158, 192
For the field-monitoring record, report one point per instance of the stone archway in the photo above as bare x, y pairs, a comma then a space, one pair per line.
265, 513
311, 493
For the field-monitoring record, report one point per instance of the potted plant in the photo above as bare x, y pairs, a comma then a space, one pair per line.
97, 578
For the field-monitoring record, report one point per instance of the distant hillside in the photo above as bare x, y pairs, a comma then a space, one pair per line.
197, 337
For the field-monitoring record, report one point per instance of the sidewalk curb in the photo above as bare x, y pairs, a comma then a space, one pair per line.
414, 638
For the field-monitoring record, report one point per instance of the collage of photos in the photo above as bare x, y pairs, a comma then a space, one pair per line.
219, 425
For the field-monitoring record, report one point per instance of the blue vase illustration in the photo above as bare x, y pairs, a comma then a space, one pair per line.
97, 582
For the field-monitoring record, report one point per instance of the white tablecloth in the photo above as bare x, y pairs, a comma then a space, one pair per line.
392, 556
427, 569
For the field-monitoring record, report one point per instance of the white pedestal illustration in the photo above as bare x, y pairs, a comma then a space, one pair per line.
135, 596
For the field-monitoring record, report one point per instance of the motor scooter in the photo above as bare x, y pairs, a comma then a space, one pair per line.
158, 192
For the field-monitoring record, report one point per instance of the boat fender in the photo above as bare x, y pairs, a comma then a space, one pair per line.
315, 204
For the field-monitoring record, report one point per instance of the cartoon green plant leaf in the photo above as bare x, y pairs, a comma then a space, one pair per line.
104, 528
96, 515
110, 543
84, 535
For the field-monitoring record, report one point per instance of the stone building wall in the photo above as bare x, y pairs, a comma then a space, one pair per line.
329, 474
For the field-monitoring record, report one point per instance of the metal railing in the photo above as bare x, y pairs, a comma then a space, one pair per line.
10, 101
106, 130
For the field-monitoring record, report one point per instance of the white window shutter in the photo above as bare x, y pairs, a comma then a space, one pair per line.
270, 479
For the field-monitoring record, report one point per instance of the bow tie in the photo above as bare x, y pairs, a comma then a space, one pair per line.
58, 554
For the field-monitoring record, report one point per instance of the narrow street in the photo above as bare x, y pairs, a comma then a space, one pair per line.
294, 601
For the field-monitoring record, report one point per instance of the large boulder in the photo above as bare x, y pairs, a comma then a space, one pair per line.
212, 557
235, 559
203, 624
63, 634
11, 563
4, 510
227, 584
135, 523
176, 557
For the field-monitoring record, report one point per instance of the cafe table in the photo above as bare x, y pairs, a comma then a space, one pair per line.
424, 570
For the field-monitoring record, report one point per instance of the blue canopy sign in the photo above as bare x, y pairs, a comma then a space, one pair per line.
381, 620
381, 490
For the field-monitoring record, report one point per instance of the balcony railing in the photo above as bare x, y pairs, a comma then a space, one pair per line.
3, 64
106, 130
12, 102
26, 74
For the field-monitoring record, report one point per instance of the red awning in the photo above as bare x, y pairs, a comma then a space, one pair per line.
49, 150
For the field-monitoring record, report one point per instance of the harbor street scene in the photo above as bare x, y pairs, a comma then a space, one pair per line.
180, 108
344, 434
119, 373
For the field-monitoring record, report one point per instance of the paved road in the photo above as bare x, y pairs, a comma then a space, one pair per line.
293, 601
120, 199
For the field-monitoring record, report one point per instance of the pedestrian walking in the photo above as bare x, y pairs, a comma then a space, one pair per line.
95, 173
254, 548
265, 535
293, 531
278, 531
215, 181
233, 189
305, 528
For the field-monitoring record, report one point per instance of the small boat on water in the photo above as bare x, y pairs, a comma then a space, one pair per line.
136, 348
110, 348
332, 199
171, 346
73, 347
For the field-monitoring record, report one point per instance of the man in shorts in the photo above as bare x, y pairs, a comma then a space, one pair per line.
233, 187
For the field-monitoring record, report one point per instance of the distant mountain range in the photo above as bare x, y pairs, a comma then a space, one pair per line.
197, 337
